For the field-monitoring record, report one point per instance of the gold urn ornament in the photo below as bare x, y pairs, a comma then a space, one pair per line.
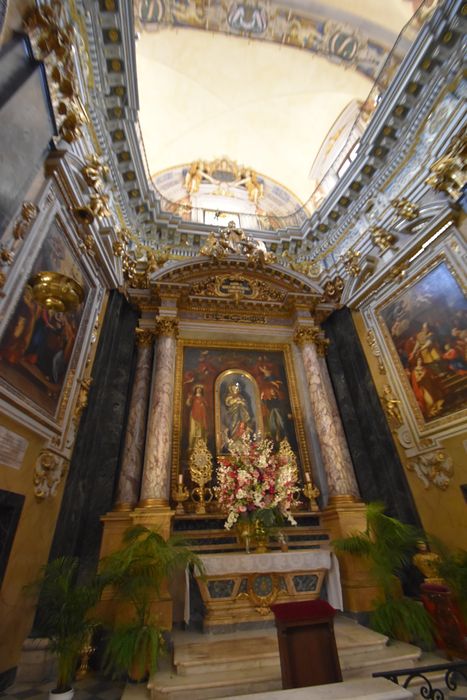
56, 292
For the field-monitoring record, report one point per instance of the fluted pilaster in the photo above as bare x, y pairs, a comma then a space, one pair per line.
336, 456
133, 451
156, 472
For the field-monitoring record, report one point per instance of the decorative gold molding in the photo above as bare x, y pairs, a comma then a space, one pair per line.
391, 407
49, 470
351, 262
83, 397
405, 208
29, 212
309, 334
333, 289
448, 173
167, 327
375, 350
382, 238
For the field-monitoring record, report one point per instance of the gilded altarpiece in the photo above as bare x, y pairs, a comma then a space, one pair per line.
224, 392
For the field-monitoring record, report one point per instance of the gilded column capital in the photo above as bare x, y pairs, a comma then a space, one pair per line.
167, 326
144, 337
308, 334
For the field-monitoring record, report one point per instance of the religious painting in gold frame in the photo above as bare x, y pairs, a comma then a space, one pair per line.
265, 400
425, 324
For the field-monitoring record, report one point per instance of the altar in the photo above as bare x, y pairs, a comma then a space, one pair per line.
240, 588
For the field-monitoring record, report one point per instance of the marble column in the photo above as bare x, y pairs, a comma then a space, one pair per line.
133, 450
334, 450
156, 472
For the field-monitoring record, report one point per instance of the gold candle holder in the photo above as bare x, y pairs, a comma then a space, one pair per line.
180, 495
311, 492
200, 466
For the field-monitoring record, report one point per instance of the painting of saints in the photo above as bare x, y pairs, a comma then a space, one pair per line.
427, 324
198, 415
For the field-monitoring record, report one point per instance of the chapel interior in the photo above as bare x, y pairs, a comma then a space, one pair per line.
221, 219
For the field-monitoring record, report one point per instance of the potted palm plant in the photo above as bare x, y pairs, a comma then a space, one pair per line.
136, 572
388, 546
64, 616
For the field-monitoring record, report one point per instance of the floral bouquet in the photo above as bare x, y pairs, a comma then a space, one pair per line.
256, 484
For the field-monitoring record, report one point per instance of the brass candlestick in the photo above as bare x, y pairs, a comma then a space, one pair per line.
311, 492
200, 466
180, 495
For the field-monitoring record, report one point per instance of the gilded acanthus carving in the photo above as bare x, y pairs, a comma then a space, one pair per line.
144, 337
433, 468
49, 471
29, 213
382, 238
234, 241
405, 208
52, 41
449, 173
351, 261
309, 334
333, 289
83, 397
374, 347
167, 326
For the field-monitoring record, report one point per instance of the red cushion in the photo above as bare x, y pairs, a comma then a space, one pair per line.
303, 610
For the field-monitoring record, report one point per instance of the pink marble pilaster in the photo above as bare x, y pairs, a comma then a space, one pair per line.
133, 449
336, 456
156, 472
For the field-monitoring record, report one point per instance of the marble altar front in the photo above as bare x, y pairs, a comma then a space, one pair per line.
239, 588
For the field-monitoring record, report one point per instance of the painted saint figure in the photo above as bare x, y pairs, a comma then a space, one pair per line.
198, 415
238, 415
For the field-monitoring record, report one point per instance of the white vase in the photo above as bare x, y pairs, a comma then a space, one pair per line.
67, 695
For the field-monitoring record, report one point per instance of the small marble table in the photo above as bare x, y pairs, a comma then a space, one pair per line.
239, 588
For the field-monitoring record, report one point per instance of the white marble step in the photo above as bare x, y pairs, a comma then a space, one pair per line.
227, 665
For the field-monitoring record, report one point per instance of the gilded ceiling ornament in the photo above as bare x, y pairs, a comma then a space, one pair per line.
99, 205
304, 335
166, 326
234, 241
310, 268
405, 208
49, 470
433, 468
351, 261
118, 249
144, 337
29, 213
391, 407
382, 238
200, 171
449, 173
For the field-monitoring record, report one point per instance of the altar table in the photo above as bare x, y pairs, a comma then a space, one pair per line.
239, 588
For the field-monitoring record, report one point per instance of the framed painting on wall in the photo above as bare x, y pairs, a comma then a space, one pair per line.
224, 392
426, 323
37, 344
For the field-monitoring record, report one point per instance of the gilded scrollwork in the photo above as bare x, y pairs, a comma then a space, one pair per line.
433, 468
49, 471
167, 326
238, 287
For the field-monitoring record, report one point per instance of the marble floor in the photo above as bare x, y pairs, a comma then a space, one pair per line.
91, 687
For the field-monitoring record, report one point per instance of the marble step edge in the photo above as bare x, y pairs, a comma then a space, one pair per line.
166, 680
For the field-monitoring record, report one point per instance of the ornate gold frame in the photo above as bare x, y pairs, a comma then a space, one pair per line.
423, 426
291, 382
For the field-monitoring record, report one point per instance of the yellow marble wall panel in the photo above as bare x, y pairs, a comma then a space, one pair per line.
30, 547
